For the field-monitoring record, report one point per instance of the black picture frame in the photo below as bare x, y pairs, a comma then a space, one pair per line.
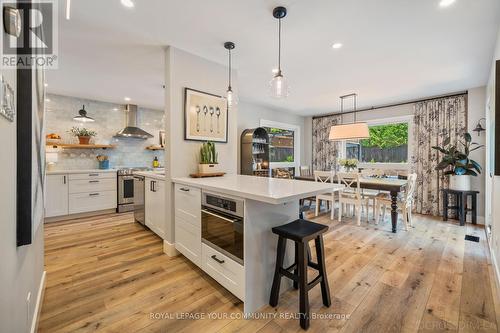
226, 109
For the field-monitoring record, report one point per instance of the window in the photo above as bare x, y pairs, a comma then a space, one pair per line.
388, 143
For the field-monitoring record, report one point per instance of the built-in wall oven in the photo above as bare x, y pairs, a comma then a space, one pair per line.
222, 224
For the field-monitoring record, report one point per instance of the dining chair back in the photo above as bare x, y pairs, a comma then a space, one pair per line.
351, 195
410, 189
324, 176
350, 180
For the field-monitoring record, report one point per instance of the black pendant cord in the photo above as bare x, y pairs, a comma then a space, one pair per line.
279, 47
229, 69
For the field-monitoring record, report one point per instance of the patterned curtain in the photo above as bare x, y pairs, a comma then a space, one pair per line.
325, 152
434, 121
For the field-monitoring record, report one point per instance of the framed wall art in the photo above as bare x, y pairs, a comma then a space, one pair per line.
205, 116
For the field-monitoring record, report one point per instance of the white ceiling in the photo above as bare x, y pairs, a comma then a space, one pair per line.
394, 50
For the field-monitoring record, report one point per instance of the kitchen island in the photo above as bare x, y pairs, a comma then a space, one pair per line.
265, 203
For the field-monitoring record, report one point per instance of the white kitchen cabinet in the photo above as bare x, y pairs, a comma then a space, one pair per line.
56, 195
188, 222
154, 192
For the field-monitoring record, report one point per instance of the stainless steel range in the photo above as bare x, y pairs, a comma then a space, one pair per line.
126, 188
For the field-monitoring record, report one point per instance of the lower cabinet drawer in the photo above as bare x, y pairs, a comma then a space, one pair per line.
89, 202
188, 240
229, 273
92, 175
92, 185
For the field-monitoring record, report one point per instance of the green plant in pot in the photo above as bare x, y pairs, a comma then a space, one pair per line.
457, 163
208, 158
84, 135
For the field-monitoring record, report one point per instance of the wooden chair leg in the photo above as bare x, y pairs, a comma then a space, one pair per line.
320, 254
358, 211
405, 217
303, 292
275, 289
341, 205
332, 211
376, 213
318, 202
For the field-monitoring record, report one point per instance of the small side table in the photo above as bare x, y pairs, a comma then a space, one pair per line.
461, 204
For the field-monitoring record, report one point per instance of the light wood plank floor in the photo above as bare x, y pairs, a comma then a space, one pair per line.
109, 274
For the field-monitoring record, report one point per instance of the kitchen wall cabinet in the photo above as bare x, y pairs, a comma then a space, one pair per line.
154, 191
56, 195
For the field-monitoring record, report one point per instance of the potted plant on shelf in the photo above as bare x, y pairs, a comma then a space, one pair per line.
83, 134
208, 158
457, 164
349, 164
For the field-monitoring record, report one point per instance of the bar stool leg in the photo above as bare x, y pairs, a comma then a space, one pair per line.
296, 270
275, 289
320, 253
303, 292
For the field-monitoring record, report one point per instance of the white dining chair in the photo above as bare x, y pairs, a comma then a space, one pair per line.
325, 177
405, 202
351, 195
305, 171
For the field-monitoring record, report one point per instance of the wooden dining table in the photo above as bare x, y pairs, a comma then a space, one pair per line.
392, 185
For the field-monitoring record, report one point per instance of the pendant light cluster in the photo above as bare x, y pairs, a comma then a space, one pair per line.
352, 131
231, 97
278, 84
82, 116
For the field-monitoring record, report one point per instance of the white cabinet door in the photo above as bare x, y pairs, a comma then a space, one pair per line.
56, 195
155, 206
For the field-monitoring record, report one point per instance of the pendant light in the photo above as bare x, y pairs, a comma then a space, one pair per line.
231, 97
353, 131
279, 85
82, 116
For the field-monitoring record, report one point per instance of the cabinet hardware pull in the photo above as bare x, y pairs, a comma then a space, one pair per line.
93, 194
184, 189
64, 179
93, 174
93, 181
214, 257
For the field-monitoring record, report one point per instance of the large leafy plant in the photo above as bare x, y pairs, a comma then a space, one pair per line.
208, 155
456, 161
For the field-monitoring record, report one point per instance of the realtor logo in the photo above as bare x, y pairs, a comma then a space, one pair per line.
32, 38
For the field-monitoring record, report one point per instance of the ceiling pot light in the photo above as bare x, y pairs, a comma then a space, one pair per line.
446, 3
128, 3
231, 97
337, 45
353, 131
278, 84
127, 99
82, 116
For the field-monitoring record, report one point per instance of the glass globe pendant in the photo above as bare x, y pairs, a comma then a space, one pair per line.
231, 97
279, 85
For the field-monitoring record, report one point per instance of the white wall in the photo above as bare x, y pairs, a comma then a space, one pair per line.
250, 115
492, 182
183, 70
21, 267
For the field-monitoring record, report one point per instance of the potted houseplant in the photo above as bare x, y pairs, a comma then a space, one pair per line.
208, 158
457, 164
349, 164
83, 134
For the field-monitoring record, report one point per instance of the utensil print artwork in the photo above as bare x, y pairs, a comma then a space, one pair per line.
205, 111
217, 113
198, 110
211, 119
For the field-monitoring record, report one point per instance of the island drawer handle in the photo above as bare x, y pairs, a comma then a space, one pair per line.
184, 189
93, 194
214, 257
93, 181
93, 174
218, 216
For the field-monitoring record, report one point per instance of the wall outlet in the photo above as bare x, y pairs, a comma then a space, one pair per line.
28, 307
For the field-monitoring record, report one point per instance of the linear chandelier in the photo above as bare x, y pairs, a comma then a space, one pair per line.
352, 131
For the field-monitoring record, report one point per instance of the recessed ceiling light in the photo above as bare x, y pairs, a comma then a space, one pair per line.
46, 85
446, 3
337, 45
47, 100
127, 3
127, 99
115, 109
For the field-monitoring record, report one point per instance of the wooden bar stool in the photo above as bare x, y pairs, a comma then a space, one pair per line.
301, 232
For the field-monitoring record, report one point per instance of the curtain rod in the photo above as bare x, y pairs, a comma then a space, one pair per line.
391, 105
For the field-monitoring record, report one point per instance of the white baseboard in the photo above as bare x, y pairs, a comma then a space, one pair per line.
494, 263
38, 306
169, 249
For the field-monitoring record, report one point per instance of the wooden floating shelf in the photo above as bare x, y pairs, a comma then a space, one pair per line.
155, 148
78, 146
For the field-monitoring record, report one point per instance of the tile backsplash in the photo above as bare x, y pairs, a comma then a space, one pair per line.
109, 119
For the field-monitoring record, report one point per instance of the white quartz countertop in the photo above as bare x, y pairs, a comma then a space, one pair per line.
61, 172
269, 190
159, 175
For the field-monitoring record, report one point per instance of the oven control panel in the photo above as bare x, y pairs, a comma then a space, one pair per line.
228, 205
221, 203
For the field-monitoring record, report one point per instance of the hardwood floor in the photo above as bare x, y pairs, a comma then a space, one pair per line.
109, 274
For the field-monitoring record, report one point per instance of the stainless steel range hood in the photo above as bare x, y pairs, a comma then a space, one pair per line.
131, 130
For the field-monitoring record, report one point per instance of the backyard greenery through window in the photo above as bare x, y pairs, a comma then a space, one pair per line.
387, 144
281, 148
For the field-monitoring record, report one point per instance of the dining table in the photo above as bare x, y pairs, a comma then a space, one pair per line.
392, 185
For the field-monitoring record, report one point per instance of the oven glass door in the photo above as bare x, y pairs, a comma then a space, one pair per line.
224, 232
126, 189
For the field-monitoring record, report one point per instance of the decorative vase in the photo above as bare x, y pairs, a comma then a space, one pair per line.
208, 168
104, 164
460, 183
84, 140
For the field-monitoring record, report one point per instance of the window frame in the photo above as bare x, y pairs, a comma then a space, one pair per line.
296, 143
386, 121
